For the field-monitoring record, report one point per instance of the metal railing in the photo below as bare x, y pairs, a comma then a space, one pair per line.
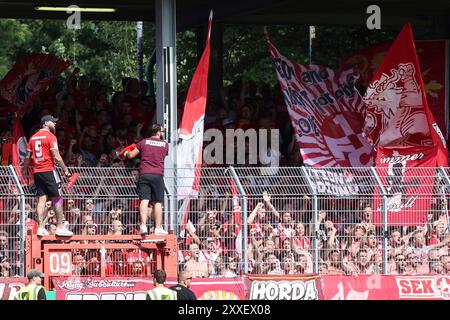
327, 220
259, 220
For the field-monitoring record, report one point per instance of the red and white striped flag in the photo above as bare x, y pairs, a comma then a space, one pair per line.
327, 113
190, 132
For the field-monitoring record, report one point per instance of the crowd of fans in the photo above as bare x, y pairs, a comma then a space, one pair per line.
280, 241
95, 124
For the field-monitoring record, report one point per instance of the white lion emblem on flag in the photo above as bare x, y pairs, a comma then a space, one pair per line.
395, 108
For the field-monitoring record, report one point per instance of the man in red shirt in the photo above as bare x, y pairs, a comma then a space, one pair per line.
153, 150
43, 149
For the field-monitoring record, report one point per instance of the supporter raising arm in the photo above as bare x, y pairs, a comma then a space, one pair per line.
267, 198
255, 213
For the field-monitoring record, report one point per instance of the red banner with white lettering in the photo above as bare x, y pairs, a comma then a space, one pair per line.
433, 59
408, 176
385, 287
257, 287
9, 287
77, 288
327, 113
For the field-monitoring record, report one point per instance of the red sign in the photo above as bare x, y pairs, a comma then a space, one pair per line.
423, 287
385, 287
284, 287
9, 287
301, 287
78, 288
361, 287
219, 288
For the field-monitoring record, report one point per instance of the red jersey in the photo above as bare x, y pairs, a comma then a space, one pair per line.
32, 225
135, 256
40, 145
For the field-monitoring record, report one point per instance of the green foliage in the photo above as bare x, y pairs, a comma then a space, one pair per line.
106, 51
187, 58
13, 35
246, 52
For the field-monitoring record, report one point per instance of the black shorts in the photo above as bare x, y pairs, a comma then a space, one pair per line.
151, 187
47, 183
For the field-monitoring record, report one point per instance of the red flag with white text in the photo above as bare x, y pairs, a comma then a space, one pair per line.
401, 125
408, 176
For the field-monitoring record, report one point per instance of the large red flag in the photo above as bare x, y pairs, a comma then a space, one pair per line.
433, 58
327, 113
401, 125
28, 77
397, 108
190, 145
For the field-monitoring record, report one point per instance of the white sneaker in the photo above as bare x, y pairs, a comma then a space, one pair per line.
143, 229
63, 232
160, 232
42, 232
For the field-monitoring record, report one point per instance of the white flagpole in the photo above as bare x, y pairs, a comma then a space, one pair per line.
312, 36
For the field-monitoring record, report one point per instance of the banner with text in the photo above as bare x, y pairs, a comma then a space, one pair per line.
306, 287
408, 176
386, 287
9, 287
339, 182
79, 288
327, 113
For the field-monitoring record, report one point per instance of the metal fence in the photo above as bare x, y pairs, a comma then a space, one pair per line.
13, 222
259, 220
302, 220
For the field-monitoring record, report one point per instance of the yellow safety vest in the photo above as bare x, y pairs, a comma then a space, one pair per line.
30, 292
162, 293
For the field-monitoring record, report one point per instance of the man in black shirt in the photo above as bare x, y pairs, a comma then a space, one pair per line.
182, 288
